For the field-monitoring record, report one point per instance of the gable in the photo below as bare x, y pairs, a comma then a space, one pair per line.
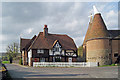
57, 44
26, 43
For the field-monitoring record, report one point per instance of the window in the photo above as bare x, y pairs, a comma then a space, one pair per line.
42, 59
57, 44
57, 49
40, 51
116, 55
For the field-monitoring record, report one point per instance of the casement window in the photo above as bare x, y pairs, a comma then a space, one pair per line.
42, 59
56, 49
116, 55
40, 51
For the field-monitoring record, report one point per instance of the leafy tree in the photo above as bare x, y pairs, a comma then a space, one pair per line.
12, 50
80, 51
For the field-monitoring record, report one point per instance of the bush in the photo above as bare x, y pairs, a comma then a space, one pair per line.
20, 61
113, 64
5, 62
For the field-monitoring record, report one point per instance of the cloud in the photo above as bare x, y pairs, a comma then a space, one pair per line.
111, 14
112, 19
27, 19
2, 37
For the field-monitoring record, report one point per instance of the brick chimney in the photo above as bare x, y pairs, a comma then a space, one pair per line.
45, 33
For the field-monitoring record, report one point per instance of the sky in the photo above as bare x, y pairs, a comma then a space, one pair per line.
26, 19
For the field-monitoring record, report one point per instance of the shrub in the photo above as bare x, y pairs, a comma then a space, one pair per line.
20, 61
5, 62
113, 64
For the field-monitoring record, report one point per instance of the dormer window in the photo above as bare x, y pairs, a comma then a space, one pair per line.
56, 46
40, 51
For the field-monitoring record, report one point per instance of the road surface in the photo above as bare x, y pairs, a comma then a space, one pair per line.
17, 71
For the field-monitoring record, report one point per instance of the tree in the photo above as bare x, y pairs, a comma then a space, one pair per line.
12, 50
80, 51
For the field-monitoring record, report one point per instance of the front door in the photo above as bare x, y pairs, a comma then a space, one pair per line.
70, 59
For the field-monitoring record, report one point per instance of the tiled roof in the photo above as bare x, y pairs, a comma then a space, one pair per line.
30, 42
23, 43
42, 42
97, 29
114, 33
88, 31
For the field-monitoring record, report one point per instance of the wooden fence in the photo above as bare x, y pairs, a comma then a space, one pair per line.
65, 64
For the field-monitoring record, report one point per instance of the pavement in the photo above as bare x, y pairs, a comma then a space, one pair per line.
19, 71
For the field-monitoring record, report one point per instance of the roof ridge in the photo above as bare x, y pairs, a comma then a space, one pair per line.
57, 34
24, 38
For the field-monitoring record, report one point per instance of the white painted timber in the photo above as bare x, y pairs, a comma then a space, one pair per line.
65, 64
95, 10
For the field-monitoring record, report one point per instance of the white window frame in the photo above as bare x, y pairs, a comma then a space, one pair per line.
56, 49
40, 51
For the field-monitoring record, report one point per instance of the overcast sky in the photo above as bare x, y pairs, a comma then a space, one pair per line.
27, 19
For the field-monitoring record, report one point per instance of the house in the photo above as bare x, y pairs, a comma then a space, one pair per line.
100, 44
48, 47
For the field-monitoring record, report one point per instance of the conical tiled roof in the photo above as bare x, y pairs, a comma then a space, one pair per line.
98, 28
86, 36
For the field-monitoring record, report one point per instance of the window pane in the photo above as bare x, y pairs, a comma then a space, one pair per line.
116, 55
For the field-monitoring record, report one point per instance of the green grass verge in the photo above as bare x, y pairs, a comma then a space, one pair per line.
5, 62
110, 65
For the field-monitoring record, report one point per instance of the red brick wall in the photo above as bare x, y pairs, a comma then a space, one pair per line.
98, 50
115, 49
74, 59
63, 59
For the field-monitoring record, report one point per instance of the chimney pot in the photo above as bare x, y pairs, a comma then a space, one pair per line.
45, 26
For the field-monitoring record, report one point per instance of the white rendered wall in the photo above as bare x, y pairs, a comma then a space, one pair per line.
29, 56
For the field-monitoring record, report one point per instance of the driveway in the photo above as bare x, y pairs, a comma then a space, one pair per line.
17, 71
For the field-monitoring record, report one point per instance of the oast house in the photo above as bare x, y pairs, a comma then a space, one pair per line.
100, 44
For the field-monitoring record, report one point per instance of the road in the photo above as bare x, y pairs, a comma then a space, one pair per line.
17, 71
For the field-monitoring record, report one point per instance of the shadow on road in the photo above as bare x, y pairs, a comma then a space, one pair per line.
50, 75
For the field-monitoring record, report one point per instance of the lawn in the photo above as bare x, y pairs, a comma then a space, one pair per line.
5, 62
110, 65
